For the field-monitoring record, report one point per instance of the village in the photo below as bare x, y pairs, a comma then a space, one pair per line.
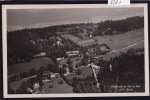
72, 65
74, 59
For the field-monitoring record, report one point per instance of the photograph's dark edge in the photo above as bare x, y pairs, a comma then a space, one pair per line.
76, 52
1, 58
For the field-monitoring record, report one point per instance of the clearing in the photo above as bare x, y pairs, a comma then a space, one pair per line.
26, 66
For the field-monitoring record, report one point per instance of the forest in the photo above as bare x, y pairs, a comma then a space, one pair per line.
110, 27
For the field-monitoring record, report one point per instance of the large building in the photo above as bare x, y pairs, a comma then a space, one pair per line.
87, 42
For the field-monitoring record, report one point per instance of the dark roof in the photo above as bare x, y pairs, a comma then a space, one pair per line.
87, 42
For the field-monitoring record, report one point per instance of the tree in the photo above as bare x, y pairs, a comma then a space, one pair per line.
64, 66
69, 62
41, 70
78, 72
10, 90
61, 82
63, 71
32, 72
54, 59
24, 87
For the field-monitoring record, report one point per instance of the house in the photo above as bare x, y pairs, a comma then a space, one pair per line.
104, 48
87, 42
29, 90
72, 53
46, 80
36, 87
59, 43
57, 75
67, 71
42, 54
58, 59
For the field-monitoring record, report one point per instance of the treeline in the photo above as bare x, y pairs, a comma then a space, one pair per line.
110, 27
127, 70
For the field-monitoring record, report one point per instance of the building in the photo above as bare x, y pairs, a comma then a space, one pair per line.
42, 54
36, 87
87, 42
30, 90
67, 71
104, 48
72, 53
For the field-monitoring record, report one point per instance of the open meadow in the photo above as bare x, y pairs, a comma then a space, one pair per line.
26, 66
122, 40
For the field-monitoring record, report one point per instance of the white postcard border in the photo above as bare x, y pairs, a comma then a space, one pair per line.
58, 6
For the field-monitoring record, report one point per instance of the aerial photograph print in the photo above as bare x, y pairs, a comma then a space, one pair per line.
75, 50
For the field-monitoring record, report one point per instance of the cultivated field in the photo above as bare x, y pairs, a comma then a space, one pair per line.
26, 66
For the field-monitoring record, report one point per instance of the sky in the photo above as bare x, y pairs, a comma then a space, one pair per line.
33, 18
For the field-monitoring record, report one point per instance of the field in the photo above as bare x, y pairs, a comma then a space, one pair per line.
26, 66
56, 87
122, 40
117, 53
86, 71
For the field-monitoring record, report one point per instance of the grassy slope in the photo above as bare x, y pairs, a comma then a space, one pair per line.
122, 40
26, 66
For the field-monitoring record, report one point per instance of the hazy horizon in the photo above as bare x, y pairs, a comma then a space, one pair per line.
18, 19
